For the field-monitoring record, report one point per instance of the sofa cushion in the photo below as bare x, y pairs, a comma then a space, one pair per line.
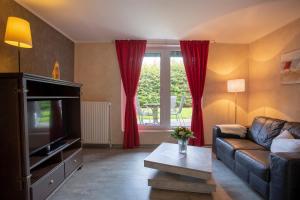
224, 148
285, 142
228, 146
285, 134
242, 144
293, 128
256, 161
285, 145
263, 130
225, 153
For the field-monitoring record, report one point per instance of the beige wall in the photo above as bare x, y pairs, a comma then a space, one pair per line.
225, 61
267, 96
96, 67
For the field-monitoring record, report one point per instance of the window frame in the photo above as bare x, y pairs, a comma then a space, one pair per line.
165, 92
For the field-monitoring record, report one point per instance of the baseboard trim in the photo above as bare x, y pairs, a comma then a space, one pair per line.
116, 146
102, 146
120, 146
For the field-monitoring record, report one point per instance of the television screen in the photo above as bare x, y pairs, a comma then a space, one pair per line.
45, 123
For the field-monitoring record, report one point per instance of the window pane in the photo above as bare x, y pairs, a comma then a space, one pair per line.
180, 100
148, 98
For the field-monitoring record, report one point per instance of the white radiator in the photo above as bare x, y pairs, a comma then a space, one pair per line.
95, 122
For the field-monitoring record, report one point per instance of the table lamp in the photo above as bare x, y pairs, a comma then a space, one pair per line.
18, 34
236, 85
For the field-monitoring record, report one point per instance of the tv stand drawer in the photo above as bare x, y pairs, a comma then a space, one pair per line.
48, 183
73, 162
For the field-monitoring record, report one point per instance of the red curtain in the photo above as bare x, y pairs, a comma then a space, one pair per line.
195, 55
130, 56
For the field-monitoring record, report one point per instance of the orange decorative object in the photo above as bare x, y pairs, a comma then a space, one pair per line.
56, 71
287, 65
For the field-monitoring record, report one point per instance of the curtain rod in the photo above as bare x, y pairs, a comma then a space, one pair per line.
168, 43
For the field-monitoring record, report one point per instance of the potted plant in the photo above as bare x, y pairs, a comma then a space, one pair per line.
182, 135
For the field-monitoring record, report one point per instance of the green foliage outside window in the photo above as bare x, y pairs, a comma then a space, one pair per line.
45, 112
179, 85
149, 84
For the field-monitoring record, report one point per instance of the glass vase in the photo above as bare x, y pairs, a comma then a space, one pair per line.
182, 144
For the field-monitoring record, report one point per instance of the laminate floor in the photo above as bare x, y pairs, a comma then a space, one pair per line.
119, 174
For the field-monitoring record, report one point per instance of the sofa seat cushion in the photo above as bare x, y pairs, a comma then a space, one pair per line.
256, 161
242, 144
228, 146
223, 148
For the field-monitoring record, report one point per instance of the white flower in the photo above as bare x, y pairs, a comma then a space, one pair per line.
181, 133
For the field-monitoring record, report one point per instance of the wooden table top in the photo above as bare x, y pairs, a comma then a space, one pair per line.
196, 163
152, 104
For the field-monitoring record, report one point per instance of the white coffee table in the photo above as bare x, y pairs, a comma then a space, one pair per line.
174, 171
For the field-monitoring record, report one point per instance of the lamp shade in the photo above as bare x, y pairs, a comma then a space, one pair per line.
236, 85
18, 33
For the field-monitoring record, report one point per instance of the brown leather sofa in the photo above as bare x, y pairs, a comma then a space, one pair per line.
275, 176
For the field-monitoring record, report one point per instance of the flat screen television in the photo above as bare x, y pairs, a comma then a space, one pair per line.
45, 124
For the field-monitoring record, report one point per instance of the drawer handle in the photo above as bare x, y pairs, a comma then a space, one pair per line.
51, 181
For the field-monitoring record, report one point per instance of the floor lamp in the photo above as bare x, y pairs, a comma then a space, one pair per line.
235, 86
18, 34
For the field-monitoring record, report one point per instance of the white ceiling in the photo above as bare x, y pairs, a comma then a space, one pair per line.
230, 21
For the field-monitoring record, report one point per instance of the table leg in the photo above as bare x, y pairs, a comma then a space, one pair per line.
155, 115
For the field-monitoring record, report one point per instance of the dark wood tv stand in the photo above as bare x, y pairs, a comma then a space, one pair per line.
24, 176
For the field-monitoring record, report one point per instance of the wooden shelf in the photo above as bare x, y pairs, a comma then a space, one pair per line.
46, 172
71, 141
51, 97
36, 160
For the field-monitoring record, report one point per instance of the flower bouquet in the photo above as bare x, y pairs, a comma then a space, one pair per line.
182, 135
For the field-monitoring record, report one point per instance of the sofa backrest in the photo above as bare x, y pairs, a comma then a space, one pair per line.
264, 129
293, 128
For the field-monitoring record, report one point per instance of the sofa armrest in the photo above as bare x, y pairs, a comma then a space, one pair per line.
218, 133
285, 176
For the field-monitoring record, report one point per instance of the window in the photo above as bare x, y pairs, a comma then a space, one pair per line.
163, 97
148, 98
180, 100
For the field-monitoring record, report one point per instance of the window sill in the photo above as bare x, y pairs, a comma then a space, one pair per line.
155, 131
